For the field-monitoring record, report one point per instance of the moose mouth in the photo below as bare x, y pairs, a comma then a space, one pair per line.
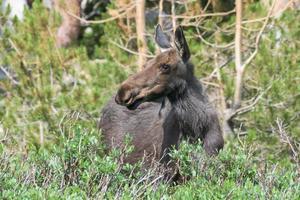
135, 104
151, 98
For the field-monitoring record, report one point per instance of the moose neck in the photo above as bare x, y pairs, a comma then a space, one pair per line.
186, 101
186, 87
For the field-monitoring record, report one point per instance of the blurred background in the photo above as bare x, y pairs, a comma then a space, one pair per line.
61, 60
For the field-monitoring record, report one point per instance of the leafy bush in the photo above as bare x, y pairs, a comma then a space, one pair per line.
78, 167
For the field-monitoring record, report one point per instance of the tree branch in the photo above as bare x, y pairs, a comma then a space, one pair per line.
130, 51
204, 15
87, 22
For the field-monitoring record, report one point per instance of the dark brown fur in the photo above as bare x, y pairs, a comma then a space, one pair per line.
160, 105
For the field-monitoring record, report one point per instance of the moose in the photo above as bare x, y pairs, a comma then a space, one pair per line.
161, 105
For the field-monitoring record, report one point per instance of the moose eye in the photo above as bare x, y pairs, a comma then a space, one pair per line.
165, 68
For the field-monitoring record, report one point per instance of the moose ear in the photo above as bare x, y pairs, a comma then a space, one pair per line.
161, 39
181, 44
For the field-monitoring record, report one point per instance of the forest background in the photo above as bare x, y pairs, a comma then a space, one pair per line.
246, 53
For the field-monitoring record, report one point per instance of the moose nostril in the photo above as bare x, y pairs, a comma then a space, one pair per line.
123, 97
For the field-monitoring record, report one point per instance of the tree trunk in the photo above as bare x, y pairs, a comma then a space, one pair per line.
173, 15
140, 30
69, 29
238, 55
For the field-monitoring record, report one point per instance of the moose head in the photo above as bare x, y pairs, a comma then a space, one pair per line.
161, 76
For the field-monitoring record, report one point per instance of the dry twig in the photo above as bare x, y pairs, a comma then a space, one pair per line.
204, 15
130, 51
284, 137
9, 76
249, 107
87, 22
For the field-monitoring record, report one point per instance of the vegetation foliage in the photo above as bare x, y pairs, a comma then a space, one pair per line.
49, 107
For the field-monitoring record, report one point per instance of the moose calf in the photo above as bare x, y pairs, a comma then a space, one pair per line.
160, 105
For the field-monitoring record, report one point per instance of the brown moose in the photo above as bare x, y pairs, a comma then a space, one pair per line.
161, 105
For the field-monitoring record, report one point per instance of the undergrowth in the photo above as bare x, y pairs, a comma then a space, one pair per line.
77, 167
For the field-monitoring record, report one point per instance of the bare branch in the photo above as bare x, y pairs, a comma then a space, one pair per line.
204, 15
130, 51
284, 137
9, 76
87, 22
258, 38
219, 67
211, 44
250, 106
206, 6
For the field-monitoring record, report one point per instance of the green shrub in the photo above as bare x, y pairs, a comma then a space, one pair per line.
78, 167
